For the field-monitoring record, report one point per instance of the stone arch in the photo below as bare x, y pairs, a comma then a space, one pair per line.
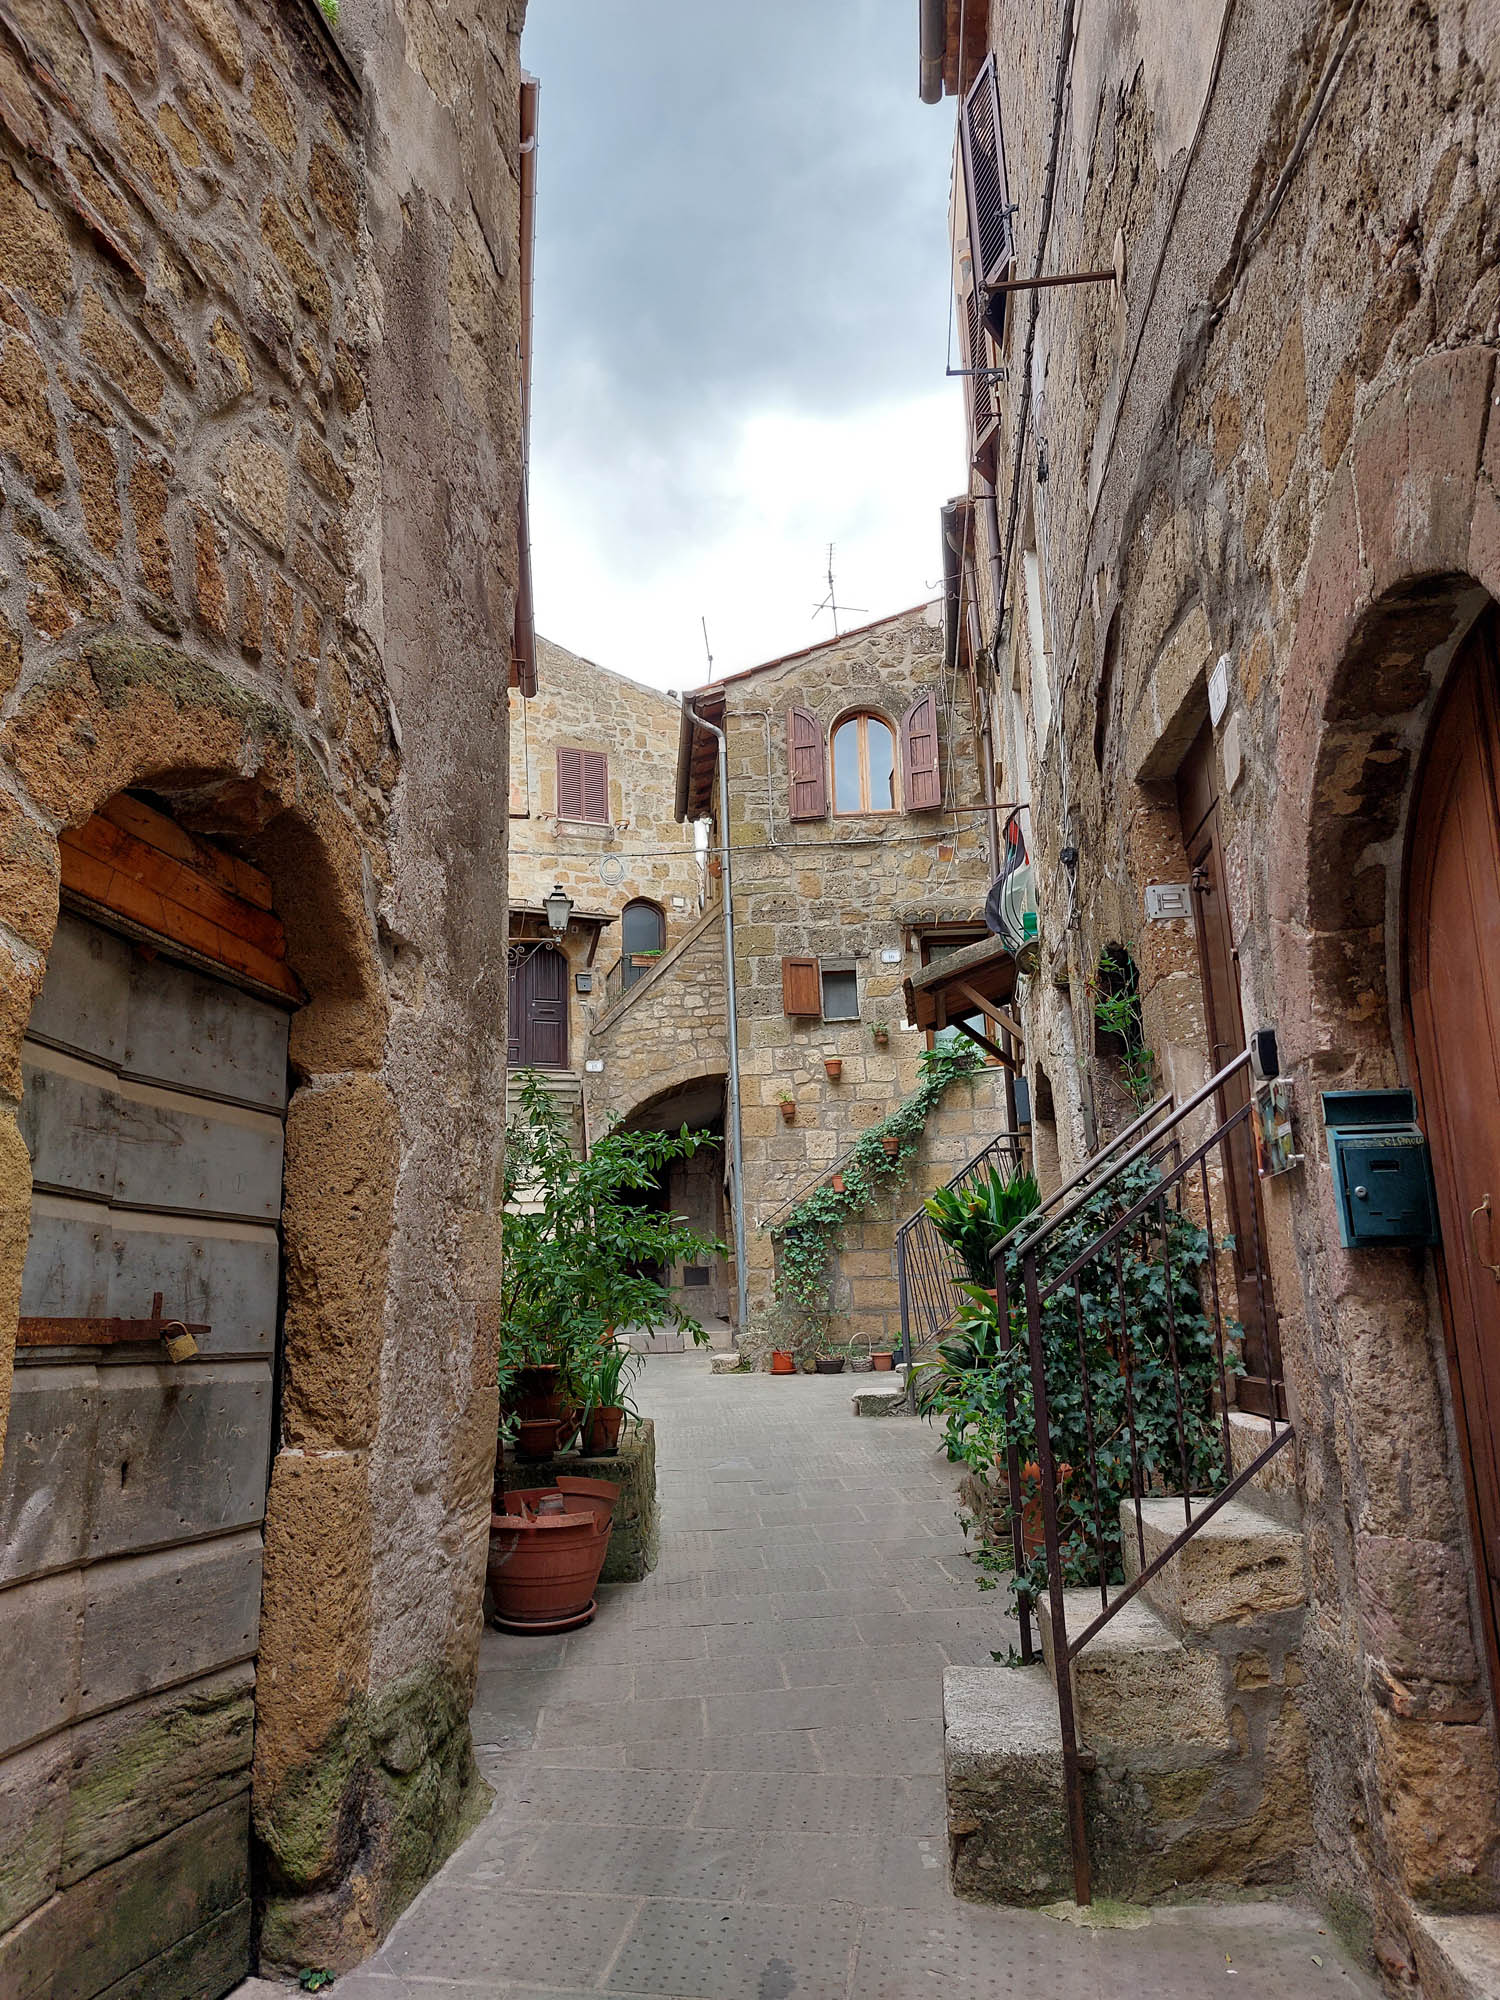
1406, 555
635, 1109
228, 761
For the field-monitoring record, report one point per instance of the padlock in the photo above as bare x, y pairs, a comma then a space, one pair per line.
180, 1344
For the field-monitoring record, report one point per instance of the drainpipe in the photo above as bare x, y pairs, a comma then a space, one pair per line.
732, 1109
934, 32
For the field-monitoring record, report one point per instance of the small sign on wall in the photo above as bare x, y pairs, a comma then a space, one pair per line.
1168, 902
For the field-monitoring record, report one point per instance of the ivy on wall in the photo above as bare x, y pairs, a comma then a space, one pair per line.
808, 1237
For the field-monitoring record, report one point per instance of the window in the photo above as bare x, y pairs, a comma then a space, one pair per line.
643, 935
583, 785
840, 993
864, 766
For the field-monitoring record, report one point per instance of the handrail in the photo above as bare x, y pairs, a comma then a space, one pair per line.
1122, 1363
1087, 1171
1001, 1139
926, 1265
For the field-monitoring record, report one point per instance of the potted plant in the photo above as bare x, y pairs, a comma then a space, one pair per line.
547, 1547
788, 1105
882, 1360
833, 1067
769, 1339
880, 1034
890, 1144
607, 1402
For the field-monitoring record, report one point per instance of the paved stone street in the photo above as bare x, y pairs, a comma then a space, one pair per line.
729, 1786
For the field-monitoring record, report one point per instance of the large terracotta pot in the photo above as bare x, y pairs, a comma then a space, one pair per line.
535, 1393
536, 1437
782, 1363
546, 1551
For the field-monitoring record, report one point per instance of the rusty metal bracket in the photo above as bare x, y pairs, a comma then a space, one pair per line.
43, 1331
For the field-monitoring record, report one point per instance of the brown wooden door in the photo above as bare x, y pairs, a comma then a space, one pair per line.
1453, 1001
1218, 966
539, 1011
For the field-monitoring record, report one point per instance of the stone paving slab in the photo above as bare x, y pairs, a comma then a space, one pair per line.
730, 1784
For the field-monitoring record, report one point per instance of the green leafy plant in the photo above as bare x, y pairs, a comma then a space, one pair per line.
1144, 1306
583, 1240
604, 1380
1116, 995
808, 1236
330, 11
975, 1220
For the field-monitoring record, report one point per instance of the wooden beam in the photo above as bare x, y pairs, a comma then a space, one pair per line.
992, 1009
984, 1042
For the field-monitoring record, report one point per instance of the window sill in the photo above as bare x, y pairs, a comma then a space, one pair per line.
592, 829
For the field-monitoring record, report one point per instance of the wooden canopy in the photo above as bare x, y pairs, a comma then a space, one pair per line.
978, 979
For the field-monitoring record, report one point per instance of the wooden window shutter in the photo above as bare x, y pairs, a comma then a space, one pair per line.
570, 784
808, 764
978, 353
801, 988
990, 240
919, 755
595, 785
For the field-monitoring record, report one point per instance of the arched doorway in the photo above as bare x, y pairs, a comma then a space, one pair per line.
1452, 967
643, 935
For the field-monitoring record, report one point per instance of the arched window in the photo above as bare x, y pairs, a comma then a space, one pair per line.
643, 934
864, 766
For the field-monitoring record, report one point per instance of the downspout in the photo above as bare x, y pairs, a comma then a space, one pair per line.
732, 1109
934, 37
523, 643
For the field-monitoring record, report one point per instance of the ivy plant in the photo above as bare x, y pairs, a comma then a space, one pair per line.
807, 1238
1116, 994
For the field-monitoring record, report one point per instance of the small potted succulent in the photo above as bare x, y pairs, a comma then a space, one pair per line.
880, 1034
788, 1105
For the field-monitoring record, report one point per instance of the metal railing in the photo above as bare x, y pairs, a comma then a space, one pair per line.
1128, 1298
929, 1271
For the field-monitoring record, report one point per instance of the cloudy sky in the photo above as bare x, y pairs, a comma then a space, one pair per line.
741, 325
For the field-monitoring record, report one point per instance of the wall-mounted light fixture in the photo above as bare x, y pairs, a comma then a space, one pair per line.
559, 908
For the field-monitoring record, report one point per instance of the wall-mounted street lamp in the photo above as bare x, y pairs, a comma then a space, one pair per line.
559, 908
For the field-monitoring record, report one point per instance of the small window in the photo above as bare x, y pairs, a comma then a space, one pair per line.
695, 1274
840, 993
583, 785
643, 934
864, 766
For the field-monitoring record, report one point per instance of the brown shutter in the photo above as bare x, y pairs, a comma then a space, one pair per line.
801, 988
808, 764
570, 784
979, 389
985, 180
923, 782
595, 785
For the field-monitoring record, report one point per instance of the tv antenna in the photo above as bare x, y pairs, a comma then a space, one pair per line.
831, 602
707, 648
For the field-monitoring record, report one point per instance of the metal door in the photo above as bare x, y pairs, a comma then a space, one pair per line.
539, 1010
1219, 970
133, 1489
1452, 952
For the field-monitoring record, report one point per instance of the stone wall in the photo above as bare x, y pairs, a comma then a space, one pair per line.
259, 435
861, 890
1269, 448
641, 851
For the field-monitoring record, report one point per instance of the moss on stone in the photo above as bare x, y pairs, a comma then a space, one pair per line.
120, 667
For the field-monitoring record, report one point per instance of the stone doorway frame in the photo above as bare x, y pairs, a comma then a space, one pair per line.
126, 714
1406, 554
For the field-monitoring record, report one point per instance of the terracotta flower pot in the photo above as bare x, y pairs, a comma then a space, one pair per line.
782, 1362
535, 1392
891, 1144
788, 1109
881, 1037
546, 1551
834, 1066
601, 1433
882, 1360
537, 1437
837, 1183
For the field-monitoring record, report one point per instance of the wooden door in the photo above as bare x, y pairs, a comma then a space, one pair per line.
1452, 951
539, 1010
133, 1488
1218, 967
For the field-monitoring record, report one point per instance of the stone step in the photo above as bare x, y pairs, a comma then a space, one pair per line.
1242, 1564
1458, 1958
1002, 1772
881, 1395
1136, 1686
1274, 1487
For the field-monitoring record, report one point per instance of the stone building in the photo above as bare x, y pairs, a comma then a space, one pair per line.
1229, 559
591, 761
857, 852
261, 439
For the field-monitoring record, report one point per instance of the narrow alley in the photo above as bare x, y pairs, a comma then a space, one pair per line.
730, 1785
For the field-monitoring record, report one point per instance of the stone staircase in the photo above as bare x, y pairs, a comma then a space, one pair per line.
1188, 1719
565, 1088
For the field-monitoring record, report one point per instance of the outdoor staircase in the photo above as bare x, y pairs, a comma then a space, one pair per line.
1187, 1710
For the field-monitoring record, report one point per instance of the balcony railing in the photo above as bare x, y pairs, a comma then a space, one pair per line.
1132, 1308
625, 972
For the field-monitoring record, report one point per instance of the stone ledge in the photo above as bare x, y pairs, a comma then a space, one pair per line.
881, 1395
635, 1540
1458, 1958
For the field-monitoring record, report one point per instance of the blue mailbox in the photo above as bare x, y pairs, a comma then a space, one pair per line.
1382, 1171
